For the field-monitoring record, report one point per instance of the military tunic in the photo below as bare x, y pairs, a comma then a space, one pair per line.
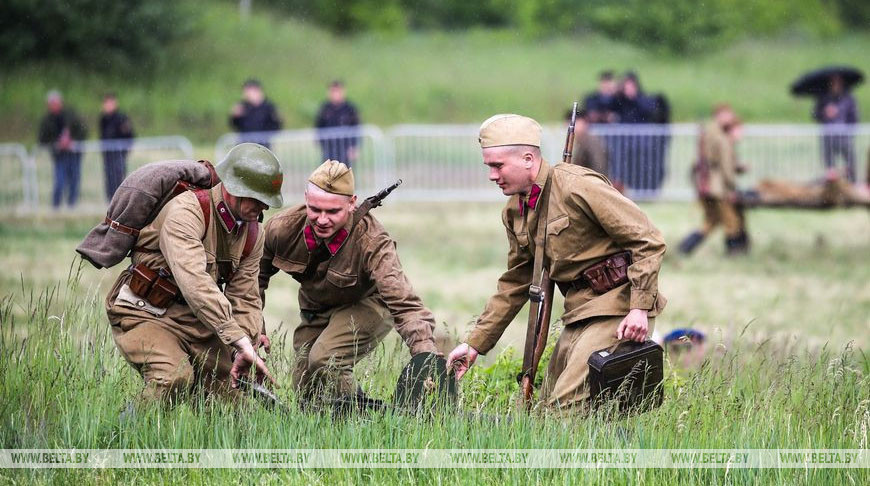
350, 297
166, 345
587, 221
718, 202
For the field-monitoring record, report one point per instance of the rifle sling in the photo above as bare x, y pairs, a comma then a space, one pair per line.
536, 292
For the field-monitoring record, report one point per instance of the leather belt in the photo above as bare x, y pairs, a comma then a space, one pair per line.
578, 284
121, 228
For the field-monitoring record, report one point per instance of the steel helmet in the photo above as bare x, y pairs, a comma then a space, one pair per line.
252, 170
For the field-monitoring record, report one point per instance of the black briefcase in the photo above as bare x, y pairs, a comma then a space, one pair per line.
632, 374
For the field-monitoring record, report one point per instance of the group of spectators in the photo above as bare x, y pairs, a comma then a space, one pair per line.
254, 117
632, 160
337, 121
62, 130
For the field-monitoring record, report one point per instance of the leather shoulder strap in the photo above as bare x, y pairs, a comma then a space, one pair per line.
202, 195
250, 239
540, 241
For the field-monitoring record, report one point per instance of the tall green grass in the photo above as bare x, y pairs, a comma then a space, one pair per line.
63, 386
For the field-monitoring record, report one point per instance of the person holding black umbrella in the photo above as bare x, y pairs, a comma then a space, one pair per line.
837, 107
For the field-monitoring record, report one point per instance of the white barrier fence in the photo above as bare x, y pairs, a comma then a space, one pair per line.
90, 157
443, 163
16, 178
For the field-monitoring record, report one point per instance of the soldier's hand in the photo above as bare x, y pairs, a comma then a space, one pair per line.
245, 357
461, 359
238, 110
264, 342
634, 326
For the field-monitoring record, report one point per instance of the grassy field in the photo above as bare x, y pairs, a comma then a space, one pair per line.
788, 367
456, 77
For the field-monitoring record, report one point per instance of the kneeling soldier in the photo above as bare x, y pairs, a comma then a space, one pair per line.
590, 227
187, 310
353, 289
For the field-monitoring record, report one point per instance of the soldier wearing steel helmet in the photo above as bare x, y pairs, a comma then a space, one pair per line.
187, 311
352, 287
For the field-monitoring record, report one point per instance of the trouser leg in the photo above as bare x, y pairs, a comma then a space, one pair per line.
212, 361
161, 357
329, 346
566, 385
60, 170
74, 181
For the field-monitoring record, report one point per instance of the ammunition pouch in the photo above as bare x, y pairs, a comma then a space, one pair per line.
603, 276
153, 286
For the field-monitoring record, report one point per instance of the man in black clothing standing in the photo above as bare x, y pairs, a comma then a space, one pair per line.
599, 105
116, 132
254, 114
338, 144
60, 130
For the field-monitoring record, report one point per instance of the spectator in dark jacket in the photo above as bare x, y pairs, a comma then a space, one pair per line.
60, 130
631, 104
837, 107
599, 105
254, 114
338, 144
636, 159
116, 132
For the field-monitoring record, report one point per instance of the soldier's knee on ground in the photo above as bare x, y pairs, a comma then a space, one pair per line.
169, 388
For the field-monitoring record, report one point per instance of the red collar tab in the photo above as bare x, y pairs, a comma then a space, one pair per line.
333, 245
337, 240
534, 194
227, 217
310, 239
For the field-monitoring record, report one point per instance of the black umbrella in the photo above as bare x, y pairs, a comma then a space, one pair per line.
815, 83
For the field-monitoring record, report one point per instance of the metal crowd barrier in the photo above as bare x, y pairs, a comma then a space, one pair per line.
92, 191
301, 151
16, 178
443, 162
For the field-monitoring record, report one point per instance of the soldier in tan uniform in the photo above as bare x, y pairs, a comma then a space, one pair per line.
353, 289
205, 334
588, 222
716, 184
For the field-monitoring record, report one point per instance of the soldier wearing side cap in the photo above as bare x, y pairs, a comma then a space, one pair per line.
588, 222
187, 311
353, 289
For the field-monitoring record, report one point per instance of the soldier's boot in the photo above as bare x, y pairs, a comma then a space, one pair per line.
737, 245
689, 243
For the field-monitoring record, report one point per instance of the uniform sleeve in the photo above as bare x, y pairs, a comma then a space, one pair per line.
78, 129
631, 230
275, 122
180, 243
47, 134
267, 270
512, 294
414, 322
243, 294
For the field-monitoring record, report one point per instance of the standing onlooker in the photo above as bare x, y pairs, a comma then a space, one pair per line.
631, 104
589, 151
631, 153
716, 183
116, 132
837, 107
254, 114
338, 112
61, 128
599, 105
